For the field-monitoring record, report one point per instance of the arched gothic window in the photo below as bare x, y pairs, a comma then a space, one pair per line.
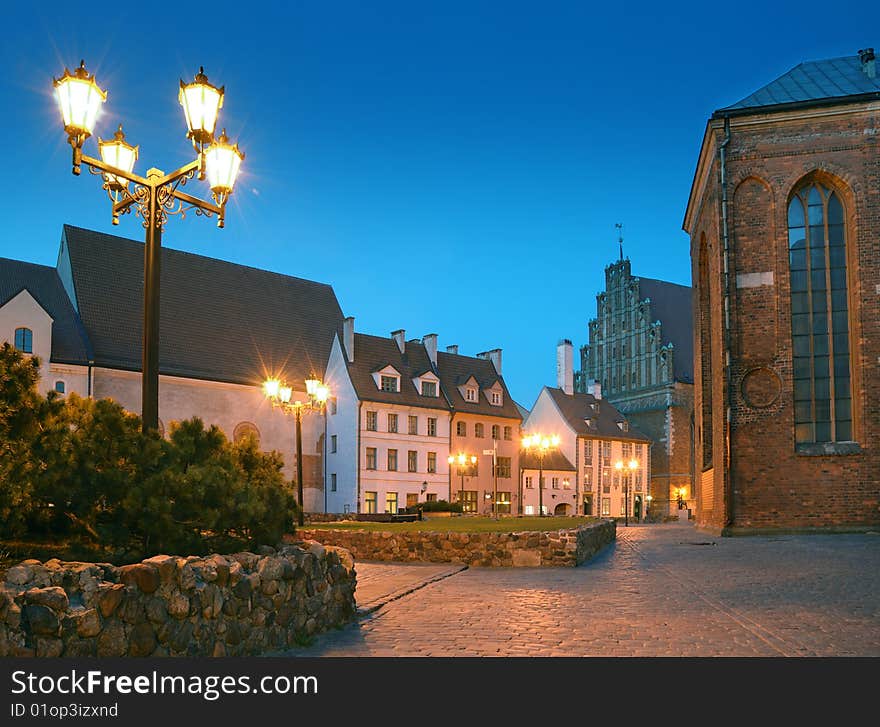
246, 429
819, 316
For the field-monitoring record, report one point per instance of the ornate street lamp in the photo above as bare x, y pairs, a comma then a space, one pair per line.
540, 445
631, 466
155, 196
280, 395
462, 460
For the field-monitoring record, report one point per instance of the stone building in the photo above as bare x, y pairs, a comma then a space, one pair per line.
594, 437
640, 356
400, 409
224, 329
784, 222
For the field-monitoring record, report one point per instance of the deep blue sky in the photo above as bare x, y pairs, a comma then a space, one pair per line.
449, 167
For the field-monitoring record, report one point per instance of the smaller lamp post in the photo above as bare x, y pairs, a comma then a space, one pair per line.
648, 507
540, 444
461, 460
631, 466
280, 395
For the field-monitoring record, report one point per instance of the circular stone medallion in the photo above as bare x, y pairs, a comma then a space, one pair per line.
761, 387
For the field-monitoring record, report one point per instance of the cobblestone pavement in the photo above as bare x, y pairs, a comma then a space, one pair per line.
380, 583
661, 590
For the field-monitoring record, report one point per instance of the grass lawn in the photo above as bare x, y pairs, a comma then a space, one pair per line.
464, 525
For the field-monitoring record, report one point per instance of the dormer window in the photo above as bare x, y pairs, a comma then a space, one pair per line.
24, 340
496, 398
589, 422
389, 383
470, 394
624, 426
429, 388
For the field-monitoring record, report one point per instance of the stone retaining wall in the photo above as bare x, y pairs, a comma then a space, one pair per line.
167, 605
553, 548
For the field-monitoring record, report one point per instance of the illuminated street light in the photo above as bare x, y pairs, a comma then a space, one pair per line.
540, 444
632, 466
155, 196
462, 460
280, 395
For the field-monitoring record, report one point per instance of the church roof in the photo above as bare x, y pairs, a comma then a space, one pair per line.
672, 305
218, 320
824, 81
70, 343
603, 417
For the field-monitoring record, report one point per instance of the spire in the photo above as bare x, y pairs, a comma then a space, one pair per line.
619, 227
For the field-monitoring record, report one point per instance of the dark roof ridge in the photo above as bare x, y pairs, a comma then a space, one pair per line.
177, 251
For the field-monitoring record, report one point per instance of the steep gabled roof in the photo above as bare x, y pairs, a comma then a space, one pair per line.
218, 320
553, 460
70, 342
824, 80
672, 305
373, 353
577, 408
456, 370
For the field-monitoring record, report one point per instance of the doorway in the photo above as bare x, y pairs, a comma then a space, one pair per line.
637, 508
588, 505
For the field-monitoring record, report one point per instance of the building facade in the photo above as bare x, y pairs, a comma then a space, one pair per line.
400, 409
640, 354
559, 478
598, 441
784, 219
224, 329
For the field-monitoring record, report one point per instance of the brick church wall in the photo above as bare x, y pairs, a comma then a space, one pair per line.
776, 484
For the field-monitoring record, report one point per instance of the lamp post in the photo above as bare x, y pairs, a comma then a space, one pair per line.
540, 445
280, 394
648, 500
631, 466
461, 460
155, 196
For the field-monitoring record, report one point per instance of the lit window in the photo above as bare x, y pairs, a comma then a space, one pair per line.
391, 502
370, 502
24, 340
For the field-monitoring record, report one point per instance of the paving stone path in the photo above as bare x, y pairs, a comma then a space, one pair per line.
661, 590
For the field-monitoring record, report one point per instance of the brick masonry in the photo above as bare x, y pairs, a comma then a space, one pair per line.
765, 481
554, 548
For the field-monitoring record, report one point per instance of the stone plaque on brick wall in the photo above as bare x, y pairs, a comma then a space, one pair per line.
761, 387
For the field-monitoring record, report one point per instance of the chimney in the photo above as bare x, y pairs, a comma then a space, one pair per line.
348, 338
594, 388
400, 339
452, 349
565, 366
866, 56
430, 342
494, 356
